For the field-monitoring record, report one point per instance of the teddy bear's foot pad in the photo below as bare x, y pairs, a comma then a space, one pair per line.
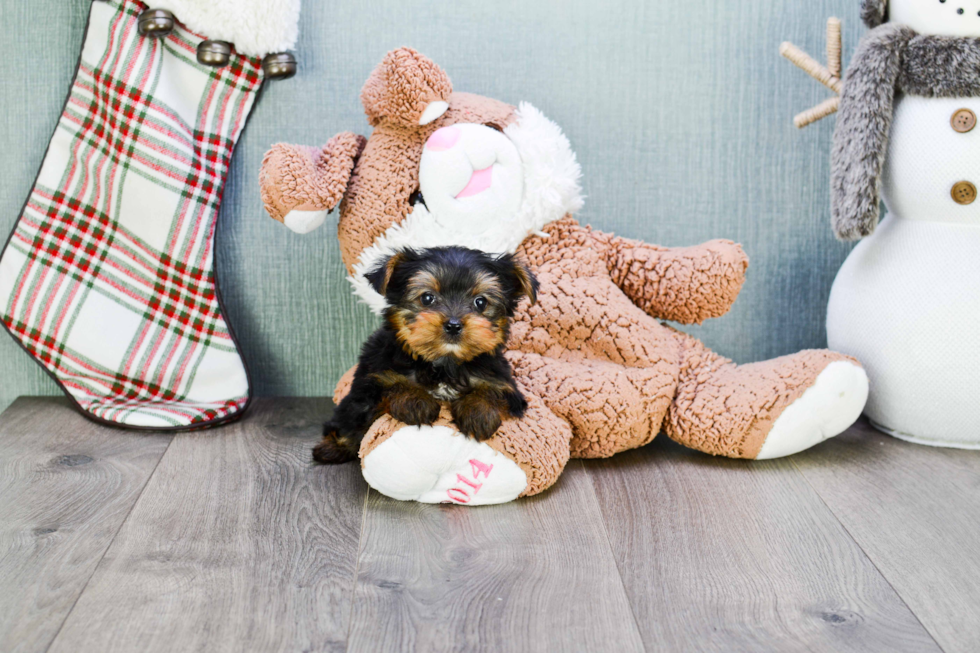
303, 222
436, 464
827, 408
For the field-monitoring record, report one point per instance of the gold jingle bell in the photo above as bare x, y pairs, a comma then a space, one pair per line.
281, 65
156, 22
214, 53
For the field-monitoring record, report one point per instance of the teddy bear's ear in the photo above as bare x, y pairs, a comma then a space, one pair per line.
406, 88
874, 12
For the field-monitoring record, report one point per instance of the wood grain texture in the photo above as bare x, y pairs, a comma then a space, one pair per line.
915, 510
680, 114
66, 486
535, 575
239, 543
230, 540
725, 555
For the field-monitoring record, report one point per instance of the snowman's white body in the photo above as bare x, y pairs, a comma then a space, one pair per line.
906, 302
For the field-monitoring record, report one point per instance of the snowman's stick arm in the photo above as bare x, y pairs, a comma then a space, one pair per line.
834, 46
819, 112
811, 66
829, 75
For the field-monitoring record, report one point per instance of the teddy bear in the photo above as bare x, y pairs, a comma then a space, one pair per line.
601, 370
906, 301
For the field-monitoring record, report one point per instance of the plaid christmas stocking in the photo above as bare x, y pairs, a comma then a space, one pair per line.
108, 277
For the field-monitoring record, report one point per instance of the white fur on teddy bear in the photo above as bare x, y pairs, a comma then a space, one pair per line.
435, 464
827, 408
303, 222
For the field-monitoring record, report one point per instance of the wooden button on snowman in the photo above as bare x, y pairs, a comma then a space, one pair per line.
906, 302
963, 121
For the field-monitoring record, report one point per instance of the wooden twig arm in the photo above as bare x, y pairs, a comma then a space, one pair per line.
829, 75
811, 66
834, 46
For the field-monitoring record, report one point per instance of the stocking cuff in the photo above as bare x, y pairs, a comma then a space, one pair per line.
255, 27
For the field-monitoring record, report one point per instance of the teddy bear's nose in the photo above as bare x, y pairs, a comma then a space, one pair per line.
443, 139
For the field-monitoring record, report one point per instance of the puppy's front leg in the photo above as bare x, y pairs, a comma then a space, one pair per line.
407, 401
479, 413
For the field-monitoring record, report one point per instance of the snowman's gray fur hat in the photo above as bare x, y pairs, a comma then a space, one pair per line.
874, 12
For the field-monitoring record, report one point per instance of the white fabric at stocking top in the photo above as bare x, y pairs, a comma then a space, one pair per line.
107, 279
256, 27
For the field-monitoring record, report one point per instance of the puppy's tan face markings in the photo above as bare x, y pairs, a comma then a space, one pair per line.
489, 325
421, 283
488, 286
420, 321
480, 336
421, 334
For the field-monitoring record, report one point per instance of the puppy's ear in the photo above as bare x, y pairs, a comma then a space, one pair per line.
524, 281
380, 277
527, 281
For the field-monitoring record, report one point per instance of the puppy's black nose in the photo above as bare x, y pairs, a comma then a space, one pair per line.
453, 327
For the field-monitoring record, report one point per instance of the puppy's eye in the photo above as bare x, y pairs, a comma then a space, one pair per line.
480, 303
494, 126
427, 299
416, 198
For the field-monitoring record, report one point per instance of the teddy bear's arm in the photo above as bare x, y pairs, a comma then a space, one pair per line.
307, 179
687, 285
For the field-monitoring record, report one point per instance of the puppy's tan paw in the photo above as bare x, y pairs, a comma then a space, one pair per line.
413, 407
476, 416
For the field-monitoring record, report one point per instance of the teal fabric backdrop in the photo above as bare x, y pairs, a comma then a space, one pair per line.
680, 112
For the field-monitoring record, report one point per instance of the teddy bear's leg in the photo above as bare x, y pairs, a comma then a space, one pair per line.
611, 408
763, 410
437, 464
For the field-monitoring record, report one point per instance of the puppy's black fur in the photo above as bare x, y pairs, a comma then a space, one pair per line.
442, 340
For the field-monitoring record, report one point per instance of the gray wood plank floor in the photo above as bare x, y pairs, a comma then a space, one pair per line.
742, 556
231, 540
238, 543
66, 487
535, 575
915, 510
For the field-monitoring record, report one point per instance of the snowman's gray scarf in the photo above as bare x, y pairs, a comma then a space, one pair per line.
891, 58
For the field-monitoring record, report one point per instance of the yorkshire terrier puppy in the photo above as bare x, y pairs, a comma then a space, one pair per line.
448, 316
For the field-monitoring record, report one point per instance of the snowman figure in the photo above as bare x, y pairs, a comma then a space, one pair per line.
906, 302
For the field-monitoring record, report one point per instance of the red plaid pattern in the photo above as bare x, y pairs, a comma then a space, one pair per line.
108, 277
